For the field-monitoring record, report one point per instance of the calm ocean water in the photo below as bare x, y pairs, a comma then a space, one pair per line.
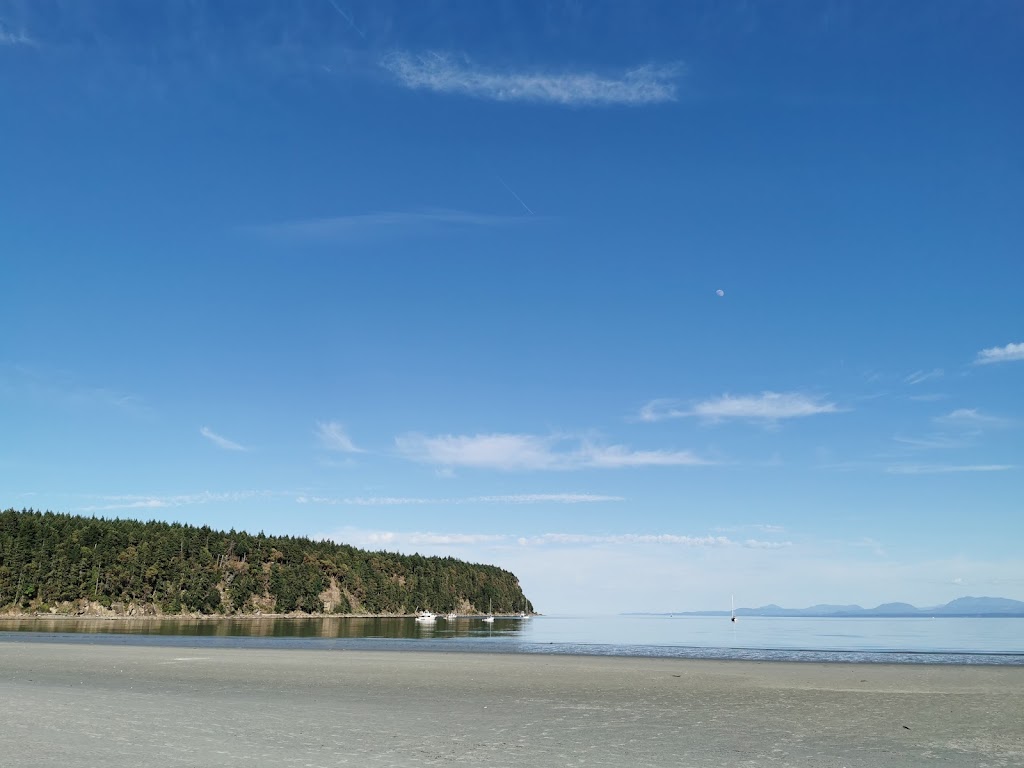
911, 640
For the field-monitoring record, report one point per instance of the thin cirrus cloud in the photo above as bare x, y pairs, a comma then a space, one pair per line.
971, 418
364, 226
537, 498
220, 441
65, 390
1000, 354
944, 469
445, 73
9, 37
131, 501
919, 377
763, 527
512, 452
515, 498
766, 407
928, 442
647, 538
333, 437
412, 539
929, 397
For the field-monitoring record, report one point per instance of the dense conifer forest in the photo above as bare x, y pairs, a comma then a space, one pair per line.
59, 563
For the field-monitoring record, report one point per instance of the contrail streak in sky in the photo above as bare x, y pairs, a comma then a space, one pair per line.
347, 18
517, 197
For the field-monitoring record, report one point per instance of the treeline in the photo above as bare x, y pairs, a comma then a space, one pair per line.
59, 562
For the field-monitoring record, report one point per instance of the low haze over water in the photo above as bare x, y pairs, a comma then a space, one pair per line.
904, 640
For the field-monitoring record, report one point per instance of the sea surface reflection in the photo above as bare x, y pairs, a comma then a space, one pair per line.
275, 626
904, 640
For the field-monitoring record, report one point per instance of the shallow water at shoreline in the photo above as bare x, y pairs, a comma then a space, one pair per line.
997, 641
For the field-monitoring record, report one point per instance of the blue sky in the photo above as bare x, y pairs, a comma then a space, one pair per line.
444, 277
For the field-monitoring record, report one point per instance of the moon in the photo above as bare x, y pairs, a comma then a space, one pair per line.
720, 292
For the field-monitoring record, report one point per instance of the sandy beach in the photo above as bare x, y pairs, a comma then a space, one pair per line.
75, 705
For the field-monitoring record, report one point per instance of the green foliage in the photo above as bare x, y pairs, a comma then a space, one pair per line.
243, 586
47, 559
297, 587
343, 606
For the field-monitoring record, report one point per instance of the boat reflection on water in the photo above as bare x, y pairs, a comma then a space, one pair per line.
276, 626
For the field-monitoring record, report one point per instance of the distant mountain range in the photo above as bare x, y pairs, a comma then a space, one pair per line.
962, 606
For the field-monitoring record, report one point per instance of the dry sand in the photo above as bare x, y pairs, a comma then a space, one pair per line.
74, 705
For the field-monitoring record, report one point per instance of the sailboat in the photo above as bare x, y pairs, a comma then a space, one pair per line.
732, 600
489, 618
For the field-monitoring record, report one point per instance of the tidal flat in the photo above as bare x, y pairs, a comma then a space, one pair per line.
120, 706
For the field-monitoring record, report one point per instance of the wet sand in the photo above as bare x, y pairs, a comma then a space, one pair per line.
120, 706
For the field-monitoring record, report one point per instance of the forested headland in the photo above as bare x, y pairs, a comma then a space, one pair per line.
69, 564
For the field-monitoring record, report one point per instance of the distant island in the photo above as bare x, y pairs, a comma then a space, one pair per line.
974, 607
59, 564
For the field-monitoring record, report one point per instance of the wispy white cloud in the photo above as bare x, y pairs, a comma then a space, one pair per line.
333, 437
971, 418
500, 450
444, 73
383, 224
615, 456
532, 452
942, 469
539, 498
157, 501
929, 441
875, 546
64, 389
219, 441
409, 540
929, 397
562, 573
918, 377
364, 501
625, 538
1000, 354
962, 427
140, 503
662, 409
670, 539
766, 407
515, 498
756, 544
763, 527
10, 37
455, 538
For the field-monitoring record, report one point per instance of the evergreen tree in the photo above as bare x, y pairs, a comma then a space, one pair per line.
49, 559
